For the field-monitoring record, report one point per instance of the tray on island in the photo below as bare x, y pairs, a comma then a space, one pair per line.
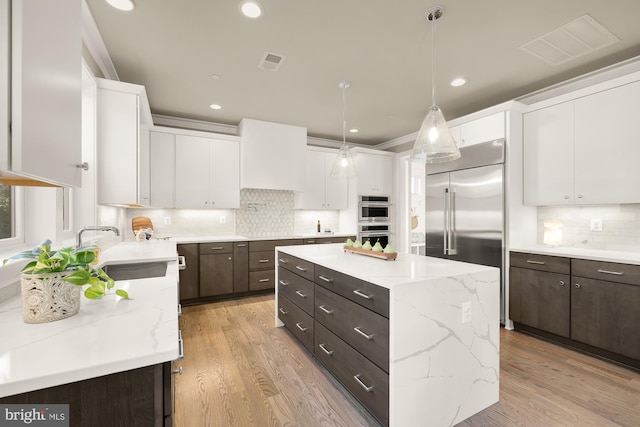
369, 252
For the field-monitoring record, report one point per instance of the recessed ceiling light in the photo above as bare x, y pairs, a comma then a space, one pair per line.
251, 9
215, 76
458, 81
354, 130
215, 107
122, 4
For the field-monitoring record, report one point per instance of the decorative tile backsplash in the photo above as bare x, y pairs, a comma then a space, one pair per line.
265, 213
620, 226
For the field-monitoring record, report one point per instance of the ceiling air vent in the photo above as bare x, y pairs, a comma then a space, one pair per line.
579, 37
271, 61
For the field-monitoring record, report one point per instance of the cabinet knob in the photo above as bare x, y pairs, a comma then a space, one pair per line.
577, 285
579, 196
561, 282
229, 258
566, 197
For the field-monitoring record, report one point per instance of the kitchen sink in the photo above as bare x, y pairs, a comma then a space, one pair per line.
132, 271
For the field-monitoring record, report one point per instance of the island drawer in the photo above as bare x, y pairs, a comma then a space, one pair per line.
366, 294
298, 289
364, 330
608, 271
215, 248
262, 260
299, 266
296, 320
367, 382
260, 280
552, 264
270, 245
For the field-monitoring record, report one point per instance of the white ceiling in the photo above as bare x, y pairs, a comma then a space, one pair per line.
382, 47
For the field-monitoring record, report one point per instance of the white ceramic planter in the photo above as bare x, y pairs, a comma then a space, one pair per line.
47, 297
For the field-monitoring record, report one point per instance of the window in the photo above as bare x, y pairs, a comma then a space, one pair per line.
7, 212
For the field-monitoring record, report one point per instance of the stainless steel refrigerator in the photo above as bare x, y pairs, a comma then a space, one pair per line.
464, 208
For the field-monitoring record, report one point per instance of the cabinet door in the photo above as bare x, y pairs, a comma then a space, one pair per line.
240, 267
46, 90
216, 274
482, 130
224, 174
540, 299
189, 277
313, 194
607, 147
335, 191
455, 134
548, 156
606, 315
375, 173
162, 169
192, 172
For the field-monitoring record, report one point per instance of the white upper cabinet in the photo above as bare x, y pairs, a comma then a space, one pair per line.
481, 130
271, 155
321, 191
41, 75
162, 169
375, 173
548, 155
123, 120
584, 151
207, 173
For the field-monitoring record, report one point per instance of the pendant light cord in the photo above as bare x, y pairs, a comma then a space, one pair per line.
433, 59
344, 115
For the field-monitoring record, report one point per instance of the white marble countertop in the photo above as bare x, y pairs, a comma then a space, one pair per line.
107, 335
204, 239
406, 268
582, 253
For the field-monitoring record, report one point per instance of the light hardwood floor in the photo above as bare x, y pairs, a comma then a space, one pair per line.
239, 370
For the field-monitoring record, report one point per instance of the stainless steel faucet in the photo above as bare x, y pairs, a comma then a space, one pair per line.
95, 228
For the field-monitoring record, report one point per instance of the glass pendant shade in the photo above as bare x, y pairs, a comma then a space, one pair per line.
343, 167
434, 143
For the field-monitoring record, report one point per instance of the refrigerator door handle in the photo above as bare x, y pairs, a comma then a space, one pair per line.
445, 220
452, 222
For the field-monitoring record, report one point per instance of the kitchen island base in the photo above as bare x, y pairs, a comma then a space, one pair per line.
416, 341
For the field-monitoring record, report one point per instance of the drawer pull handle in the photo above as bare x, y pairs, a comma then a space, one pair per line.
530, 261
363, 385
329, 352
180, 346
363, 295
282, 260
302, 328
301, 268
326, 279
357, 329
577, 285
241, 245
615, 273
177, 371
323, 308
217, 248
263, 280
283, 311
283, 283
262, 261
310, 241
301, 294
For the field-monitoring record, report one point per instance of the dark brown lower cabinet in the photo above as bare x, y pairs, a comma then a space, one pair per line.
137, 398
606, 315
189, 277
216, 274
240, 267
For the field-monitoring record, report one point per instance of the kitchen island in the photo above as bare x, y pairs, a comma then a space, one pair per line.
420, 334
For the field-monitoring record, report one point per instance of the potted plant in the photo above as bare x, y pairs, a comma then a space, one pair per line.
52, 282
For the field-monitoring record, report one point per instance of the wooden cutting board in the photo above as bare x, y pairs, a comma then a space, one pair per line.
141, 222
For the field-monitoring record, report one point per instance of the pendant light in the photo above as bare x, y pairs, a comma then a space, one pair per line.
434, 143
344, 167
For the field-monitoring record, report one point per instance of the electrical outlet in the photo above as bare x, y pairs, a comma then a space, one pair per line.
223, 220
167, 220
466, 312
596, 224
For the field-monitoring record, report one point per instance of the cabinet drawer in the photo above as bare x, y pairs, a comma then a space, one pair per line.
296, 320
552, 264
609, 271
298, 289
361, 328
371, 387
260, 280
298, 266
215, 248
270, 245
262, 260
366, 294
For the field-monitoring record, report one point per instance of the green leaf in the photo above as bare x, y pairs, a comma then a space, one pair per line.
91, 293
122, 293
78, 277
